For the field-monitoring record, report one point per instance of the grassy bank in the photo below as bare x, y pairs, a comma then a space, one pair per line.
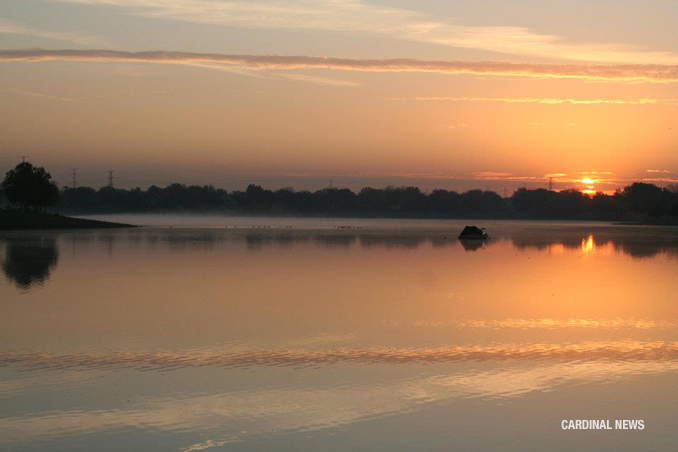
16, 220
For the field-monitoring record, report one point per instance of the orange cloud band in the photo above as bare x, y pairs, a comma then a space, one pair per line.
654, 73
546, 100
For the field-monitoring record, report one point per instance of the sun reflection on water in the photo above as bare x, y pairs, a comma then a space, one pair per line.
588, 245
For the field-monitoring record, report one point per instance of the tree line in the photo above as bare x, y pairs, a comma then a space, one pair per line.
30, 187
635, 200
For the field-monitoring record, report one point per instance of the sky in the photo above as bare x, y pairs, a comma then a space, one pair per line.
297, 93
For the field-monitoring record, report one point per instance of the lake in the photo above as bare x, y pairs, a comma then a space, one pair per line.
256, 334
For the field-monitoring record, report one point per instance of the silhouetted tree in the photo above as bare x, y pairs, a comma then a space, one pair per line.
607, 206
643, 198
81, 198
539, 200
443, 201
30, 187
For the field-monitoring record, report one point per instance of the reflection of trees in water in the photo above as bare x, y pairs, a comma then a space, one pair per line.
29, 260
260, 240
392, 241
635, 242
332, 239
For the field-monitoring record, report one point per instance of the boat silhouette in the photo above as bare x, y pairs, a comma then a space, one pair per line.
473, 233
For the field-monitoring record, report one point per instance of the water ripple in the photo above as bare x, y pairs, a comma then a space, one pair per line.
167, 361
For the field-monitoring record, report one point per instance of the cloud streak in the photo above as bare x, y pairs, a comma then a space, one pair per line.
547, 101
43, 96
73, 37
318, 80
550, 324
398, 23
597, 72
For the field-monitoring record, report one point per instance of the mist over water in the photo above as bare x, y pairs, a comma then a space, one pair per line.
248, 334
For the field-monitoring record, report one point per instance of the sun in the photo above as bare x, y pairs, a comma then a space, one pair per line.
590, 186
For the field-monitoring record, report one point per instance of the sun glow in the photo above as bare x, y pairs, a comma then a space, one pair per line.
590, 188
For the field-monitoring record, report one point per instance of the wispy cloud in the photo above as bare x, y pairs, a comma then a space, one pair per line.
608, 72
492, 175
227, 68
43, 96
547, 101
558, 123
455, 126
249, 72
549, 324
661, 171
72, 37
399, 23
484, 174
318, 80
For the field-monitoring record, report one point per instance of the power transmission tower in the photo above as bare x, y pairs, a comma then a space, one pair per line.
75, 178
110, 178
23, 158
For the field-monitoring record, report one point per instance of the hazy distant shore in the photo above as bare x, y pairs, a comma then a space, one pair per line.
15, 220
477, 216
637, 203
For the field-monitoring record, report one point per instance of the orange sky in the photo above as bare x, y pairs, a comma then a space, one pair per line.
364, 93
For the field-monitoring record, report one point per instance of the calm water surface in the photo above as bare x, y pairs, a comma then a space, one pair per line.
345, 335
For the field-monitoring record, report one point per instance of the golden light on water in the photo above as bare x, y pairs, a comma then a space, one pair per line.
588, 245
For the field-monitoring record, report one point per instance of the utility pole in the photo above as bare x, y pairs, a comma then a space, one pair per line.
550, 183
504, 191
330, 183
110, 178
23, 158
75, 178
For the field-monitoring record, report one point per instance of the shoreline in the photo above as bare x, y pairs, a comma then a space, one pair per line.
30, 221
665, 221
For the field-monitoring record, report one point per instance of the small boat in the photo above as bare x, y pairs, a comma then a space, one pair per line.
473, 233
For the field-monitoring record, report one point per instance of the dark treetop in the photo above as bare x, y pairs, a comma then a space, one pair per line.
30, 187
